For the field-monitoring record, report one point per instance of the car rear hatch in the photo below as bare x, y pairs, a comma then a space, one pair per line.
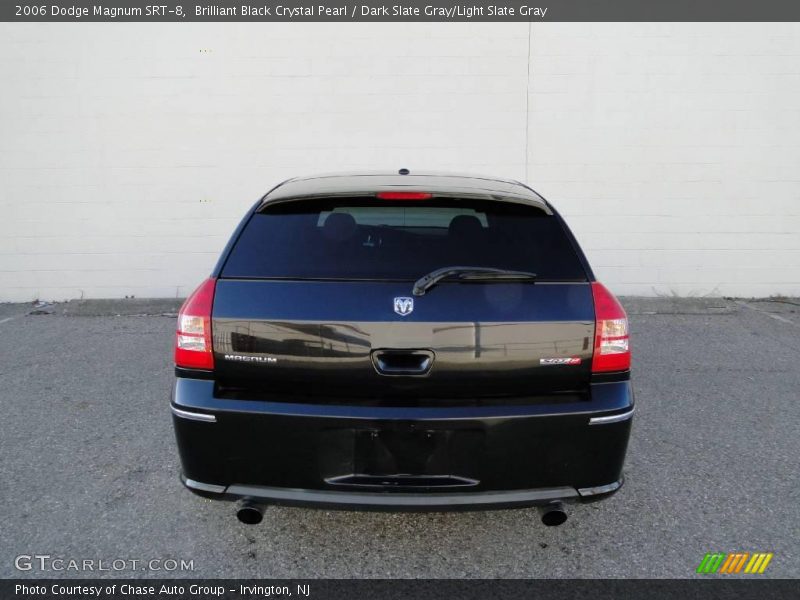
314, 304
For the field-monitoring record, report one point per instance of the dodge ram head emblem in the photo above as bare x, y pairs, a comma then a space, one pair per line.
403, 305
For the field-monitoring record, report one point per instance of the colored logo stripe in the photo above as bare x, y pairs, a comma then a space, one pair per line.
734, 562
719, 562
759, 562
711, 562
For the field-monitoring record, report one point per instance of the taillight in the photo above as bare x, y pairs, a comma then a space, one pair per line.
612, 350
193, 338
404, 195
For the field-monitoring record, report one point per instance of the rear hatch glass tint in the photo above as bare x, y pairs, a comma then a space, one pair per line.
371, 239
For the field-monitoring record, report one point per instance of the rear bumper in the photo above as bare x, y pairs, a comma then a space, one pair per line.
430, 501
401, 458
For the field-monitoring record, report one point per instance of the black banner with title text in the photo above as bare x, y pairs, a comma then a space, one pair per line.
399, 11
379, 589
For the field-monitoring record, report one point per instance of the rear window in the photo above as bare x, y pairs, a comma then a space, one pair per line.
380, 240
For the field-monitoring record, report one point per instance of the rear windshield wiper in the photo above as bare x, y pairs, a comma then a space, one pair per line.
424, 283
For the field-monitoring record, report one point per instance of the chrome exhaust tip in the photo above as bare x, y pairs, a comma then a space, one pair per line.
249, 512
553, 514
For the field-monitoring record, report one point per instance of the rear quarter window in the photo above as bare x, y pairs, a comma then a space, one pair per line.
379, 240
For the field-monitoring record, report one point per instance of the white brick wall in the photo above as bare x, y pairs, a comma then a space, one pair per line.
674, 149
128, 152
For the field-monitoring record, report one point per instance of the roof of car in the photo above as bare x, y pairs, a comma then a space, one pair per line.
439, 184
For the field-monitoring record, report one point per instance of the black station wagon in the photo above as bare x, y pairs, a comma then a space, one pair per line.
402, 342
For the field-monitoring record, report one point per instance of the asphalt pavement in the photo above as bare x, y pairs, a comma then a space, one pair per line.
89, 468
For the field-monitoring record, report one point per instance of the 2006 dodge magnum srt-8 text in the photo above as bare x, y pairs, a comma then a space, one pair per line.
406, 342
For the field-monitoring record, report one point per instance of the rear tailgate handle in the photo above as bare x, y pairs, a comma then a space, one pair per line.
402, 362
